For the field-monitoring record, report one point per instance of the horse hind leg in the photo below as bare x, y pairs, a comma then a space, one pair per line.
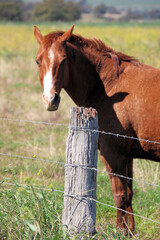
119, 188
123, 195
123, 198
129, 217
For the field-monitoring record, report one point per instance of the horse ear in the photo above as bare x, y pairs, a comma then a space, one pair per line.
67, 35
38, 34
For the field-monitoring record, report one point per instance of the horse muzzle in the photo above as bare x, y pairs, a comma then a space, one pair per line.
52, 103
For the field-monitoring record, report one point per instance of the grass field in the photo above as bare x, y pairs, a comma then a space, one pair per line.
26, 211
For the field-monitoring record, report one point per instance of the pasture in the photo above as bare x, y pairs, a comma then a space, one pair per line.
30, 209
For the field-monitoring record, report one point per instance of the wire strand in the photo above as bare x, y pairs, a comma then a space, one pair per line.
35, 187
113, 134
82, 129
31, 158
81, 197
76, 165
56, 162
33, 122
113, 174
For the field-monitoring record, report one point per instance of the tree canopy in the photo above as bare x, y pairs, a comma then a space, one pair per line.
67, 10
53, 10
11, 10
46, 10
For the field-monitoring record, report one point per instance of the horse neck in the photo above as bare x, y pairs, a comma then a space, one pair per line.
92, 76
85, 85
107, 68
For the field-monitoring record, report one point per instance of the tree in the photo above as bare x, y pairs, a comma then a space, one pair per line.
155, 14
84, 7
11, 10
27, 11
100, 10
71, 11
54, 10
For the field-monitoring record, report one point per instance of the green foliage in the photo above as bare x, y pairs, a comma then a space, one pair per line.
11, 10
100, 10
54, 10
35, 214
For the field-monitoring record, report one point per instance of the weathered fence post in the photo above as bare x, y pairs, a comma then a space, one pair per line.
79, 210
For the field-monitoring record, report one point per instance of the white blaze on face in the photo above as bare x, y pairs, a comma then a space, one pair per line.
48, 78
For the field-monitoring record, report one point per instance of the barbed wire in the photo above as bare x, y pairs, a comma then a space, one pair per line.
33, 122
108, 205
76, 165
27, 186
113, 134
31, 158
83, 166
113, 174
81, 129
79, 197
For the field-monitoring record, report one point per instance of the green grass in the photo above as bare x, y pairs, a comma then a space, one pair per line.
31, 213
37, 212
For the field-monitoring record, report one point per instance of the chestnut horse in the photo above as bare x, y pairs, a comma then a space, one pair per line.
125, 92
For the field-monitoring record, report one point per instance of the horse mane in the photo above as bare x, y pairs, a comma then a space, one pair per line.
95, 44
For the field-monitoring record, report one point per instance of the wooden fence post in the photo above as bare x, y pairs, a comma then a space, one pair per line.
79, 210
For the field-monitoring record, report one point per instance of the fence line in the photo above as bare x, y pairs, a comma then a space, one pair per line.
82, 129
80, 197
33, 122
114, 134
31, 158
38, 188
83, 166
68, 165
113, 174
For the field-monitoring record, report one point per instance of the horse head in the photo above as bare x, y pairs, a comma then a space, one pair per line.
52, 64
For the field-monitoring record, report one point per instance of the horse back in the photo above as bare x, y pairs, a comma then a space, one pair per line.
135, 100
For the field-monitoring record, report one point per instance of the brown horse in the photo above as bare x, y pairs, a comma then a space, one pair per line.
125, 92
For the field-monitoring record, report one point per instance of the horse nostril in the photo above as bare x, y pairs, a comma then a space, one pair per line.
55, 99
